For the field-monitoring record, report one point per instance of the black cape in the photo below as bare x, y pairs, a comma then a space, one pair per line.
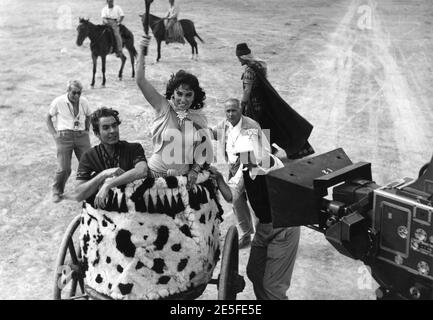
288, 129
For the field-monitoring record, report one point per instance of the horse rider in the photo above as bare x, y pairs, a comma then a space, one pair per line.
170, 19
113, 15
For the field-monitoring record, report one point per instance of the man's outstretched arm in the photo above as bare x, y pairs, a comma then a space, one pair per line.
85, 189
138, 172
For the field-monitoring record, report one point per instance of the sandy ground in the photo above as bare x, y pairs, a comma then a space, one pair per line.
360, 71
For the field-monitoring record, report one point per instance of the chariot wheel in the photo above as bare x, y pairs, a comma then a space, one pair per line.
69, 275
230, 283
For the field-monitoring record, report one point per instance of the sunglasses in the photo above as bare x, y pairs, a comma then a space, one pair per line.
76, 92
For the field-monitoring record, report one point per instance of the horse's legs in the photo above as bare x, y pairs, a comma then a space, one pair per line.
193, 45
196, 50
159, 50
94, 59
131, 55
103, 59
123, 58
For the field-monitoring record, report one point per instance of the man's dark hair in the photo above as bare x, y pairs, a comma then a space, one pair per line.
183, 77
101, 113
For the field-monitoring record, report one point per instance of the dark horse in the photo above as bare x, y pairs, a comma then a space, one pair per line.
158, 29
102, 42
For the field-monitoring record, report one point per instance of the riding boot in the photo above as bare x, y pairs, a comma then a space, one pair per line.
117, 50
167, 37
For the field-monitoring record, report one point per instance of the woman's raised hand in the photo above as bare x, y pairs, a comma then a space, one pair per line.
144, 41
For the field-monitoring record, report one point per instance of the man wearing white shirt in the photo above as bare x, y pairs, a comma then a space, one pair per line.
70, 132
113, 15
231, 136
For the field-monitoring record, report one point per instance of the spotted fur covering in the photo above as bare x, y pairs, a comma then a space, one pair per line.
154, 239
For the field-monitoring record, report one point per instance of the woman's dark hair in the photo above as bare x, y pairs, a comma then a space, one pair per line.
101, 113
183, 77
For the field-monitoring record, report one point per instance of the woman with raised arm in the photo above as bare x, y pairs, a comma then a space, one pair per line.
180, 133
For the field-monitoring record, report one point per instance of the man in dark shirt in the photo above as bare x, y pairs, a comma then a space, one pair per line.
123, 161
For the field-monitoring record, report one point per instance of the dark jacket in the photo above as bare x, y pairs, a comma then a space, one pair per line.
288, 129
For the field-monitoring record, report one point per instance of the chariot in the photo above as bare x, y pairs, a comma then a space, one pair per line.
154, 239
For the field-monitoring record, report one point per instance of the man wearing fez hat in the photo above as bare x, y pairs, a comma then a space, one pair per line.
242, 49
261, 102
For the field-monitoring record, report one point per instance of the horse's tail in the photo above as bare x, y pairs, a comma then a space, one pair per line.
132, 48
189, 27
129, 39
196, 35
134, 52
195, 32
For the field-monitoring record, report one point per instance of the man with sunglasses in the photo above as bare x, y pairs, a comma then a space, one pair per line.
70, 130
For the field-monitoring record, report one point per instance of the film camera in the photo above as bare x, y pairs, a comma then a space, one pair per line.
389, 228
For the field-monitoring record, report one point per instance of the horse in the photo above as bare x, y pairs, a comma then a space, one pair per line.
158, 30
102, 43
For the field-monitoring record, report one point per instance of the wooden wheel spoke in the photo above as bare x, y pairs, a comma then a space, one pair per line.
73, 288
65, 276
229, 282
81, 283
72, 252
68, 273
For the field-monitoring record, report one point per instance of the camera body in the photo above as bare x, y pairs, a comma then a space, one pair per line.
389, 228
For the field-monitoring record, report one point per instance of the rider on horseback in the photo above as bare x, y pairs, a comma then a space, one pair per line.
113, 15
173, 30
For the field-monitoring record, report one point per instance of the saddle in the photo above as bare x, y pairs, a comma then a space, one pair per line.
174, 33
112, 38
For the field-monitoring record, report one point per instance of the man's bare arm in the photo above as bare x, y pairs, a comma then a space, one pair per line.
155, 99
85, 189
138, 172
50, 125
